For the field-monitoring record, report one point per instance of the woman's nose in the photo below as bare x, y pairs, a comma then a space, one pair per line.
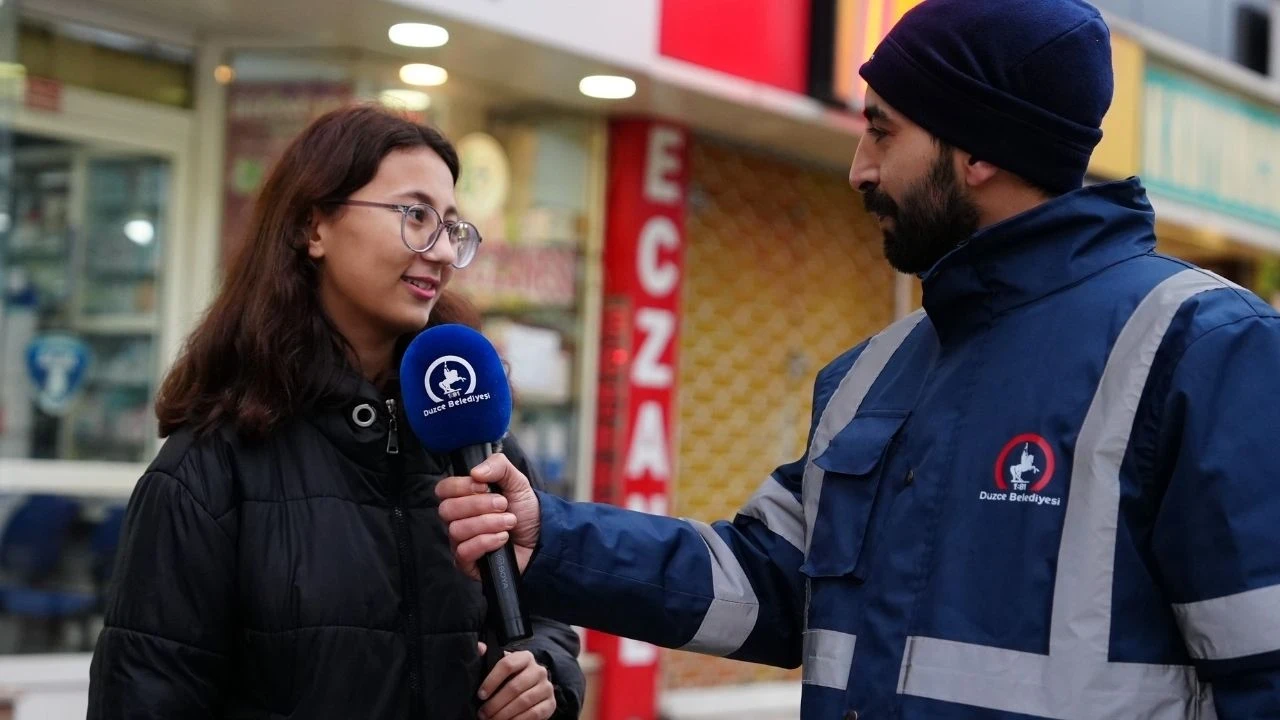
442, 251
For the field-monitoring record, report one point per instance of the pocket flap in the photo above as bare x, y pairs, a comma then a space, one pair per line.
860, 445
852, 479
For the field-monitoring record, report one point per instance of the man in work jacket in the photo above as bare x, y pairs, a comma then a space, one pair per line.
1053, 493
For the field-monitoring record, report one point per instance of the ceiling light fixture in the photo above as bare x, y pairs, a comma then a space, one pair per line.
607, 87
423, 74
418, 35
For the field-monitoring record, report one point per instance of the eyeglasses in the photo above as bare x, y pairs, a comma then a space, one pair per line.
421, 226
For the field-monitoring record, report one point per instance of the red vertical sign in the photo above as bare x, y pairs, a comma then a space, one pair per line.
635, 439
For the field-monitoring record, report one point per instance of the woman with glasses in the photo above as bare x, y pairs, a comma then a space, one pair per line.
282, 556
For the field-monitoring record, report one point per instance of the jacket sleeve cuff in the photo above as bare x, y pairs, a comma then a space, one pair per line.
545, 561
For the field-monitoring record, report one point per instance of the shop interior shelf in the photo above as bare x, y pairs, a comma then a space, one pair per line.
116, 324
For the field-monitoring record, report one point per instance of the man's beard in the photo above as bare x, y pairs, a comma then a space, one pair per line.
935, 218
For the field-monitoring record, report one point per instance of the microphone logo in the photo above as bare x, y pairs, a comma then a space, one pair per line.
450, 376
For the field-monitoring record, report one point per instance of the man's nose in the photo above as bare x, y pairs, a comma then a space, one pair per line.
864, 173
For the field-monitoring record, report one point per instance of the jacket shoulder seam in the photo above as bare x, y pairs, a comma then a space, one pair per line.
1226, 285
196, 501
1176, 363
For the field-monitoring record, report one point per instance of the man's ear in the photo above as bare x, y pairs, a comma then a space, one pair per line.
976, 172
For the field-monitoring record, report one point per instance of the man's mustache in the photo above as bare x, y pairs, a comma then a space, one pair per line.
878, 203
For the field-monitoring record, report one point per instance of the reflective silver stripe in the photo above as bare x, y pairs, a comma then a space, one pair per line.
1232, 626
1075, 679
780, 511
1049, 687
828, 655
1086, 557
974, 675
844, 404
732, 614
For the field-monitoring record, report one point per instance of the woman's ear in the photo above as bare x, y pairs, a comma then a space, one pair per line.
316, 236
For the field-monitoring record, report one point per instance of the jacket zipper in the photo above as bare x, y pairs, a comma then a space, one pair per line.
408, 574
393, 437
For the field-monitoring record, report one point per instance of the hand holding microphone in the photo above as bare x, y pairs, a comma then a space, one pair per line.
458, 403
480, 521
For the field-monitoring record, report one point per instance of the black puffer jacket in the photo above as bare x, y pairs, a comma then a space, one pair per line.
305, 577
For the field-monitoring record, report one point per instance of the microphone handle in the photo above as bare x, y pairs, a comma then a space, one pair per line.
499, 571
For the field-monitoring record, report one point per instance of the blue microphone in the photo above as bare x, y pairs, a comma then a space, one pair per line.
458, 402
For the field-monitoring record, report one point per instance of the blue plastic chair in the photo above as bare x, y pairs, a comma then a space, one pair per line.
30, 550
103, 546
33, 541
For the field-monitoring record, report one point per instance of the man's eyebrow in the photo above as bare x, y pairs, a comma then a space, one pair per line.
875, 113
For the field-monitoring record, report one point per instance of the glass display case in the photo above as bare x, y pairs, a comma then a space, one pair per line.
81, 261
526, 182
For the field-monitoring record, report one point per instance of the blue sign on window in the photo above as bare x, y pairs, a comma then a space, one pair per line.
58, 366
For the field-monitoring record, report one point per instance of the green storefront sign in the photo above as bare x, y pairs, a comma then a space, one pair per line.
1208, 147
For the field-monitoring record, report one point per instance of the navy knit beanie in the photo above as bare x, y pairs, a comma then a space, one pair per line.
1021, 84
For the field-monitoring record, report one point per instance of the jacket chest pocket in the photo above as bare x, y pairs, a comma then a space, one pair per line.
851, 474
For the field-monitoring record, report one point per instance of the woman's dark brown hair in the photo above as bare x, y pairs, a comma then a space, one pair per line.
265, 350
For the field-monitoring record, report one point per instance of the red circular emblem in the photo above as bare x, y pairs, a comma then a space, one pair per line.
1026, 464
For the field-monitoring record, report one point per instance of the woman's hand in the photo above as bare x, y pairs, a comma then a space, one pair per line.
527, 693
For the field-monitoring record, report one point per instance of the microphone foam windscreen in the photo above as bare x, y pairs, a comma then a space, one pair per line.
455, 389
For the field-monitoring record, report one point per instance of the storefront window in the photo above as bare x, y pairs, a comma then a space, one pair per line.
82, 269
84, 228
77, 371
526, 179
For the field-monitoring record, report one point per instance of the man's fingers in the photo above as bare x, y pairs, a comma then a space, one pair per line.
469, 569
482, 648
499, 471
478, 519
470, 551
461, 531
457, 487
471, 506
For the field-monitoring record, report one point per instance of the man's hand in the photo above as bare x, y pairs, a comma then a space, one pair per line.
480, 521
518, 688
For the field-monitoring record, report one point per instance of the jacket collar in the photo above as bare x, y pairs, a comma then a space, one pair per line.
1037, 253
358, 422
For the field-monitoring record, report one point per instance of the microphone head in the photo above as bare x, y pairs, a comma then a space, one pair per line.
455, 389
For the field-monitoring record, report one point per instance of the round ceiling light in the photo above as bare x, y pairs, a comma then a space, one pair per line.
607, 87
423, 74
418, 35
